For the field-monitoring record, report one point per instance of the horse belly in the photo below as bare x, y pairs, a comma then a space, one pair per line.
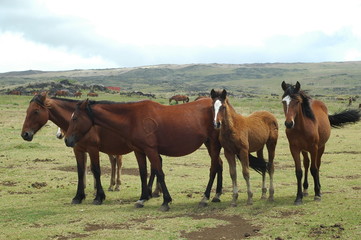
179, 146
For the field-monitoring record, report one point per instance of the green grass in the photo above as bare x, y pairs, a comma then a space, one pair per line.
46, 212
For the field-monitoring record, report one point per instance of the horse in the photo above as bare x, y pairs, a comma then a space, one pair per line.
78, 94
42, 108
152, 129
308, 128
14, 92
92, 94
115, 163
61, 93
239, 136
178, 98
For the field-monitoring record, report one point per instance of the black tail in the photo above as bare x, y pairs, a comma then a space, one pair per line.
347, 116
257, 164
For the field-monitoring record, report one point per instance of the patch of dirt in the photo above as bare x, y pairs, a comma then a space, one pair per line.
237, 228
356, 188
96, 227
323, 231
13, 192
8, 183
344, 152
39, 185
71, 235
43, 160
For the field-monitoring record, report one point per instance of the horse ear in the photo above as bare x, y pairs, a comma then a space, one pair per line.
84, 104
284, 86
298, 86
213, 93
224, 94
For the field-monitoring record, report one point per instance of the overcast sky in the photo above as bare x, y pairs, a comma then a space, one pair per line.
84, 34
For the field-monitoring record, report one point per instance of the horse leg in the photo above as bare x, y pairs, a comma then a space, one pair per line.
264, 188
95, 167
119, 161
315, 163
271, 147
215, 169
245, 170
158, 189
158, 171
112, 160
81, 166
233, 173
142, 164
298, 169
306, 165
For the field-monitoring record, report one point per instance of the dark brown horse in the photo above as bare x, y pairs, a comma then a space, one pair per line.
308, 127
78, 94
241, 135
42, 108
115, 163
92, 94
178, 98
152, 129
61, 93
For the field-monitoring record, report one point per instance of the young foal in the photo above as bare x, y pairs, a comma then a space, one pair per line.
308, 127
240, 136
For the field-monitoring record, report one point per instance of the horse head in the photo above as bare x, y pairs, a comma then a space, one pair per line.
36, 116
219, 101
292, 100
80, 123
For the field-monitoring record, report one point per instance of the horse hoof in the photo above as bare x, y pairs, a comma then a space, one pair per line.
317, 198
216, 200
298, 202
97, 202
139, 204
164, 208
202, 204
249, 203
305, 194
271, 199
110, 189
155, 195
233, 204
76, 201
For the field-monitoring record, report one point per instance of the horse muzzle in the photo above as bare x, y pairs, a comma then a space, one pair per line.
216, 125
28, 135
289, 124
70, 141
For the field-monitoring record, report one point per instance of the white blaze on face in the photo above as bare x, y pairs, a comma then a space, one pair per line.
72, 116
217, 105
287, 100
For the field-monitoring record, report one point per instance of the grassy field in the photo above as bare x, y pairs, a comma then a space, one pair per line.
38, 181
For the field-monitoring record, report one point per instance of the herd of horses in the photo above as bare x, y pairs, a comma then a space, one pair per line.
150, 129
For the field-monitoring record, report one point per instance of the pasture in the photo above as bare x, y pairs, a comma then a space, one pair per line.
38, 181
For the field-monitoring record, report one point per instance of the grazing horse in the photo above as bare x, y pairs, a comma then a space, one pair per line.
92, 94
14, 92
42, 108
152, 129
115, 163
78, 94
239, 136
308, 127
178, 98
61, 93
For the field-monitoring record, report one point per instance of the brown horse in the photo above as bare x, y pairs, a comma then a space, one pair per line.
78, 94
14, 92
178, 98
152, 129
42, 108
239, 136
308, 127
61, 93
115, 163
92, 94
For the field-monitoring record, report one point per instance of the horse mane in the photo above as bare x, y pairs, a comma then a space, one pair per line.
305, 100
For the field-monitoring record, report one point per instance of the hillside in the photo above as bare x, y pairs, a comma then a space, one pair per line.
329, 78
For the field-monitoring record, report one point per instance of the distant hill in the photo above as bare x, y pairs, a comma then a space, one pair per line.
330, 78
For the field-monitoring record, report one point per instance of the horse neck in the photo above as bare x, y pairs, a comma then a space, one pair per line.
300, 118
60, 112
229, 118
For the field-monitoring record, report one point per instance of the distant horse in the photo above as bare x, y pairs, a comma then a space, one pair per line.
14, 92
115, 163
92, 94
178, 98
78, 94
42, 108
239, 136
308, 127
153, 129
61, 93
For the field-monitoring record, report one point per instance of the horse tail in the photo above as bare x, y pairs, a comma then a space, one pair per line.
257, 164
344, 117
